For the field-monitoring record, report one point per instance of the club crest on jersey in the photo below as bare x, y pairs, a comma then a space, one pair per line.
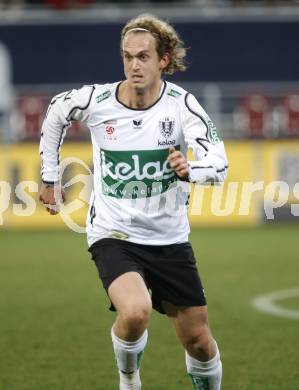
166, 125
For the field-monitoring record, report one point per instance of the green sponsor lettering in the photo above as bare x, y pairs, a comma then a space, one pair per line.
136, 174
200, 383
213, 134
174, 93
139, 357
103, 96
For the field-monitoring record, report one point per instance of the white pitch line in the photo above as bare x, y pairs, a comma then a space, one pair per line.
268, 303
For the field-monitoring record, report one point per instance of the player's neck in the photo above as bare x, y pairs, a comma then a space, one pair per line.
139, 99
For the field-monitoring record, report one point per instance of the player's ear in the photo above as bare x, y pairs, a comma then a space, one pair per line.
164, 61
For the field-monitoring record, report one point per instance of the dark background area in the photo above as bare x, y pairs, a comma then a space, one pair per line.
228, 51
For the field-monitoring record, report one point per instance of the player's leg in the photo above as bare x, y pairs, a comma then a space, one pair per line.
201, 352
120, 274
130, 297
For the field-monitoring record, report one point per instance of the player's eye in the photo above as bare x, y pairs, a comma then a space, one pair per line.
143, 57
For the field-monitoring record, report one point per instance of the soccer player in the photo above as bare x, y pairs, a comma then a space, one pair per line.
137, 224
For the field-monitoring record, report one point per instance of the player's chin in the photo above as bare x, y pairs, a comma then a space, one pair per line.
139, 86
137, 83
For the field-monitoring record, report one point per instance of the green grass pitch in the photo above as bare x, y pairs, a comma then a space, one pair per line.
55, 326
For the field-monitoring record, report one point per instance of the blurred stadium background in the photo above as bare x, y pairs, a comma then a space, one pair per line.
244, 69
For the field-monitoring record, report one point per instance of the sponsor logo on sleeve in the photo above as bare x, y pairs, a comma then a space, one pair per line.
174, 93
213, 134
103, 96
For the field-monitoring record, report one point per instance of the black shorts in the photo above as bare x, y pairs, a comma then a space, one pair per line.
169, 271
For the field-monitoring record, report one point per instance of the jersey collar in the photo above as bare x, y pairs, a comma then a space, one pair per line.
139, 109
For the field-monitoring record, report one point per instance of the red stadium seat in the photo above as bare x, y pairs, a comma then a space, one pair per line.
291, 106
256, 110
31, 110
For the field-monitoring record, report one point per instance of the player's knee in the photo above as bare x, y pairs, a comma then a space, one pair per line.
137, 317
199, 342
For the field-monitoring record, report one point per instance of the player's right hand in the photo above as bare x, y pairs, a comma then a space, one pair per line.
52, 197
178, 163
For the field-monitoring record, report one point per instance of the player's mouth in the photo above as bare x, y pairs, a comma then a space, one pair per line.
137, 77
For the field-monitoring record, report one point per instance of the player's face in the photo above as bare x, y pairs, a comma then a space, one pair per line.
142, 65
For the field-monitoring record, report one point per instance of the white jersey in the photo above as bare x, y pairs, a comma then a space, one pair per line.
136, 195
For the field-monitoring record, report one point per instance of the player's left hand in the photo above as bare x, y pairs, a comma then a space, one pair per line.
178, 163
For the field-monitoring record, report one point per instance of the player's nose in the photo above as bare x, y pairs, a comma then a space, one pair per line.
135, 64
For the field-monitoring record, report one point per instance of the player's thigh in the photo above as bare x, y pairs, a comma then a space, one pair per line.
190, 323
129, 293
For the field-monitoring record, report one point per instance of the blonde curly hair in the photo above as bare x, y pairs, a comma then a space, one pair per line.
167, 40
